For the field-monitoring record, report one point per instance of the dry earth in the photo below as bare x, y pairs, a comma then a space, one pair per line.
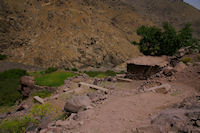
126, 110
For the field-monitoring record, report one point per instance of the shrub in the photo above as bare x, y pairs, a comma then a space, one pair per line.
67, 69
74, 69
158, 42
41, 110
16, 125
2, 57
186, 60
50, 70
42, 93
9, 82
134, 43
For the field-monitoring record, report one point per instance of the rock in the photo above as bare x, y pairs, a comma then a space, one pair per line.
180, 67
27, 81
27, 85
56, 96
66, 89
97, 96
44, 123
77, 103
198, 123
38, 99
124, 79
43, 131
164, 89
120, 75
189, 64
183, 117
62, 123
168, 71
22, 107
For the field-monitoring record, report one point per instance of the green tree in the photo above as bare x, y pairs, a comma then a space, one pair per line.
166, 41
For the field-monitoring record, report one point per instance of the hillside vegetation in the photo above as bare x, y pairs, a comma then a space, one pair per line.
82, 33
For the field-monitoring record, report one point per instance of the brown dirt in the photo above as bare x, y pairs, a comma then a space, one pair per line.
4, 65
125, 110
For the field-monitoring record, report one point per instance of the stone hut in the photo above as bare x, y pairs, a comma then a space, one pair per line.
143, 67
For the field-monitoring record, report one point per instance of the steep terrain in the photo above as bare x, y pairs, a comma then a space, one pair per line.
82, 33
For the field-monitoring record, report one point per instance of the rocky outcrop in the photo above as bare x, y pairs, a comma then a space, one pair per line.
184, 117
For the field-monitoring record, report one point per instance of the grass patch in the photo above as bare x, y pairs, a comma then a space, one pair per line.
2, 56
100, 74
50, 70
43, 93
16, 125
9, 82
186, 60
54, 79
39, 110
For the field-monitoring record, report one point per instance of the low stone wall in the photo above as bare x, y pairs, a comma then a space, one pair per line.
141, 72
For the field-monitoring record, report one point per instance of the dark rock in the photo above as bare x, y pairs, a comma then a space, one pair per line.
77, 103
181, 118
22, 107
168, 71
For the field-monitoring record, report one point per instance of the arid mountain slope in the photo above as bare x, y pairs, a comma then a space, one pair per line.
79, 33
175, 12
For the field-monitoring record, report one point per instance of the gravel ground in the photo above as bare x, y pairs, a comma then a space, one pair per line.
12, 65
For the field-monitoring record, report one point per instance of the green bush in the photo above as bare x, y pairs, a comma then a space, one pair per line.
74, 69
2, 56
186, 60
9, 82
67, 69
158, 42
41, 110
134, 43
50, 70
42, 93
16, 125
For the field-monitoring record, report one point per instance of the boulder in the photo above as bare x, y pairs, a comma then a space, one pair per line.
77, 103
27, 81
27, 85
38, 99
180, 67
164, 89
168, 71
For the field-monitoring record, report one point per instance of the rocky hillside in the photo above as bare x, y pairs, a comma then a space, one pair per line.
82, 33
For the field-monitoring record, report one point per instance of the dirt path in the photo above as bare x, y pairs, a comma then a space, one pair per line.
4, 65
125, 111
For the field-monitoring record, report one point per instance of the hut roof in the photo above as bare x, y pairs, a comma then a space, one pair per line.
149, 61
